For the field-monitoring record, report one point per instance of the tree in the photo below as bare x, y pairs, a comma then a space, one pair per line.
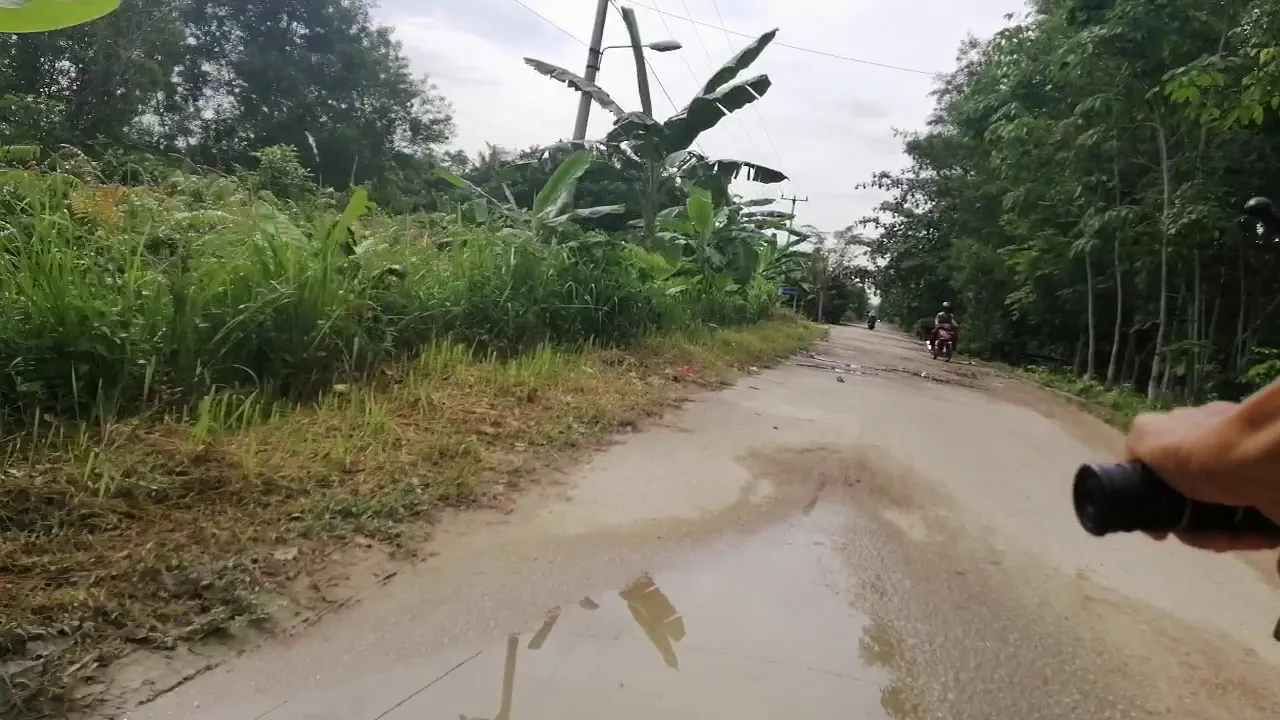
103, 77
217, 81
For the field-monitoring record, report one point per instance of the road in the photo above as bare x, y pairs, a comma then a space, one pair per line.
864, 533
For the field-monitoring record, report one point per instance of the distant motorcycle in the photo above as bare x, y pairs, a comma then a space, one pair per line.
944, 345
871, 323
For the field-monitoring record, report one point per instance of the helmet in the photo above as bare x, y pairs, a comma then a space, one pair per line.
946, 305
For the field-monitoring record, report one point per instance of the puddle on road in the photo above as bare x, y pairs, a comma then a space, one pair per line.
751, 628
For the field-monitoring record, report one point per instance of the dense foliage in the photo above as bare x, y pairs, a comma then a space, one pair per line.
262, 261
1079, 195
210, 83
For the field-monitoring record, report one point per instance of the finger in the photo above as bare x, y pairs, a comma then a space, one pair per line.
1223, 542
1170, 444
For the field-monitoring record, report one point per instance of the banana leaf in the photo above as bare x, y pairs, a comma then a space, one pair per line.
706, 111
26, 16
558, 192
739, 62
579, 83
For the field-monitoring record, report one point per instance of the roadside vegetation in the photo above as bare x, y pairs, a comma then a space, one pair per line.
1117, 406
251, 308
1079, 195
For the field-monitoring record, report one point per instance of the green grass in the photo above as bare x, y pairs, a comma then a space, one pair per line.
118, 302
1116, 405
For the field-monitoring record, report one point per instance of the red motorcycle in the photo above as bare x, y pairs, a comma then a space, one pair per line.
944, 343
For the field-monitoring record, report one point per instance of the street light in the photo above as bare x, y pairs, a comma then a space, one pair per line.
584, 103
659, 46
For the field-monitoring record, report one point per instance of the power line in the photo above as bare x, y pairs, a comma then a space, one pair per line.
705, 51
712, 65
777, 156
793, 47
662, 16
546, 20
685, 58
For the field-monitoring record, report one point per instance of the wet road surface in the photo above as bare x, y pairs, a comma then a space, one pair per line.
862, 533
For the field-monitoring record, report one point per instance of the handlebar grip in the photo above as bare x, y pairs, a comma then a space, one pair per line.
1128, 497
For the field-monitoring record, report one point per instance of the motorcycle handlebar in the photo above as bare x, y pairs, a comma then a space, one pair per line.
1129, 497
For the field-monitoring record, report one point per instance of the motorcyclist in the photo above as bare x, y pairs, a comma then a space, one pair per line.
944, 319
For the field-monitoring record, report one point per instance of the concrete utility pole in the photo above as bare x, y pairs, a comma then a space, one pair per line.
793, 200
593, 69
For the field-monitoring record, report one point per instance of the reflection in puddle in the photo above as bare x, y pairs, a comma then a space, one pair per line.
650, 608
508, 678
540, 637
655, 614
785, 646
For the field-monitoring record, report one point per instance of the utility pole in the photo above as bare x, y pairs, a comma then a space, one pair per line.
593, 68
821, 279
793, 200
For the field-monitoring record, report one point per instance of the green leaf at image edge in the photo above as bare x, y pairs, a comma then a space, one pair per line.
46, 15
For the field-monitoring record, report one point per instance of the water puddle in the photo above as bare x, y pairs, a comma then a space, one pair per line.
751, 628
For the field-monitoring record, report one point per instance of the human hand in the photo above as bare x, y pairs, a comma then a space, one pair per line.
1223, 453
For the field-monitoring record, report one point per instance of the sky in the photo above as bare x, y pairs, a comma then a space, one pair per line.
827, 123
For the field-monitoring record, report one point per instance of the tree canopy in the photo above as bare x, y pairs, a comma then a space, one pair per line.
214, 82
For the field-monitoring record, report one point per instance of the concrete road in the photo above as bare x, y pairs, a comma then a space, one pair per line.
864, 533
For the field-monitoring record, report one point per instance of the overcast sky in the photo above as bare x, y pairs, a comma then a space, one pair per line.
827, 123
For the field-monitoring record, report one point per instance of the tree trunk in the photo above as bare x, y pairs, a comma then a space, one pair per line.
1142, 360
1113, 367
1237, 347
1212, 331
1195, 322
1078, 362
1165, 218
1129, 365
1089, 369
1210, 334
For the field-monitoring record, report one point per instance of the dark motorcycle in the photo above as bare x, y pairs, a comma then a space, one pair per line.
871, 323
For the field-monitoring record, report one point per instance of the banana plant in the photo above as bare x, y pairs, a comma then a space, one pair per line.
708, 245
652, 150
778, 260
26, 16
552, 206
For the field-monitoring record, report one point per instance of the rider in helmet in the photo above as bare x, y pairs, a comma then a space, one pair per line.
944, 319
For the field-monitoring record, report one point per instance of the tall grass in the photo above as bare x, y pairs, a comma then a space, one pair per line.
116, 301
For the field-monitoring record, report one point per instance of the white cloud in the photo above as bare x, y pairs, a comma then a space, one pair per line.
830, 120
